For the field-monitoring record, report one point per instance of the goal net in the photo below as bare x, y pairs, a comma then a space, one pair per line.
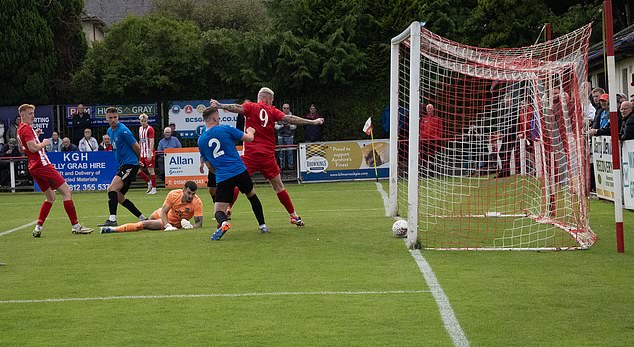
489, 142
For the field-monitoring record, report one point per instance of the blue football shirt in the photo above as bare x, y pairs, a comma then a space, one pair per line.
122, 140
218, 146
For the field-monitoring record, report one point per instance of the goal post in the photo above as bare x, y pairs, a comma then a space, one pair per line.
488, 143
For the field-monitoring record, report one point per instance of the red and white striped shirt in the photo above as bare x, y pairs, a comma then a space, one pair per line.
38, 159
145, 134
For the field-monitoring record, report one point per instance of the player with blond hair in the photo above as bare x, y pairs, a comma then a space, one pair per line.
146, 155
179, 207
44, 173
260, 154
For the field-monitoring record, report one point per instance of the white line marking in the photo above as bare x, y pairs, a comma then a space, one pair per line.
386, 202
218, 295
446, 312
18, 228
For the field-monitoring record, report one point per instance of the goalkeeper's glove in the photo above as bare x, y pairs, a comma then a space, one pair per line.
186, 224
169, 227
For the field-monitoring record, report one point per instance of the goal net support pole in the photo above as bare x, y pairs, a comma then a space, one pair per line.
413, 34
614, 130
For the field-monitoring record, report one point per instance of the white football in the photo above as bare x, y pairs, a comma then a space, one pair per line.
399, 228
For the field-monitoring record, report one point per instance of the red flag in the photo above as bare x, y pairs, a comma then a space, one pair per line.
367, 128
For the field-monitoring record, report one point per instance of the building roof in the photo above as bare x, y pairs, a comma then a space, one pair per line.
114, 11
85, 17
623, 47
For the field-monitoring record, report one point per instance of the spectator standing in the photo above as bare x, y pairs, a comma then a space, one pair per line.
620, 97
174, 132
55, 143
10, 150
88, 143
67, 146
430, 134
285, 136
81, 120
312, 132
146, 141
632, 98
168, 140
3, 130
105, 144
12, 132
601, 123
627, 129
588, 108
596, 96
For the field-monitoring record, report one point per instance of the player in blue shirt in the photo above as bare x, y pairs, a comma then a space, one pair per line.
126, 151
217, 146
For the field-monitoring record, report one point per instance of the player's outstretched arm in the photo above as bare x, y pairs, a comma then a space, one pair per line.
235, 108
35, 147
289, 118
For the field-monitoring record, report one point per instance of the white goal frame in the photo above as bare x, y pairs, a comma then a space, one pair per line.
413, 35
414, 87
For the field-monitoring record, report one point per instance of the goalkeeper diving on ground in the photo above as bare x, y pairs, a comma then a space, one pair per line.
179, 207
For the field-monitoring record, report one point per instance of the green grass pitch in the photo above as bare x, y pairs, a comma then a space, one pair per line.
343, 280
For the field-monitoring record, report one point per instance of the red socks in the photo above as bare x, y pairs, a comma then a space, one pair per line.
44, 210
153, 179
69, 206
285, 199
144, 176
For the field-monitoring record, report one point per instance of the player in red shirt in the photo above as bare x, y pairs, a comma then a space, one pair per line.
146, 155
259, 155
44, 173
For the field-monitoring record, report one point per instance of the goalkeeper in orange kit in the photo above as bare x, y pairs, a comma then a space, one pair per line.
179, 207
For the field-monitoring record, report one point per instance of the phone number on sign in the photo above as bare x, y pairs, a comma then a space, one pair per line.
88, 186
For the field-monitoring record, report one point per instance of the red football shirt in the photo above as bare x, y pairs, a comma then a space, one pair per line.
38, 159
145, 134
262, 118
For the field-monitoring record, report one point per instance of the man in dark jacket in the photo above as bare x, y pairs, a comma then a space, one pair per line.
627, 129
601, 122
81, 121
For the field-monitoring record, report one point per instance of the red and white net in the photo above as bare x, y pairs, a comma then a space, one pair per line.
502, 159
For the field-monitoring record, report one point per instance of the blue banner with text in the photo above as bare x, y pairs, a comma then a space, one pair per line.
84, 170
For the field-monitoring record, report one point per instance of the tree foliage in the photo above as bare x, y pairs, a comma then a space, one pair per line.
64, 19
27, 59
506, 23
144, 58
241, 15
